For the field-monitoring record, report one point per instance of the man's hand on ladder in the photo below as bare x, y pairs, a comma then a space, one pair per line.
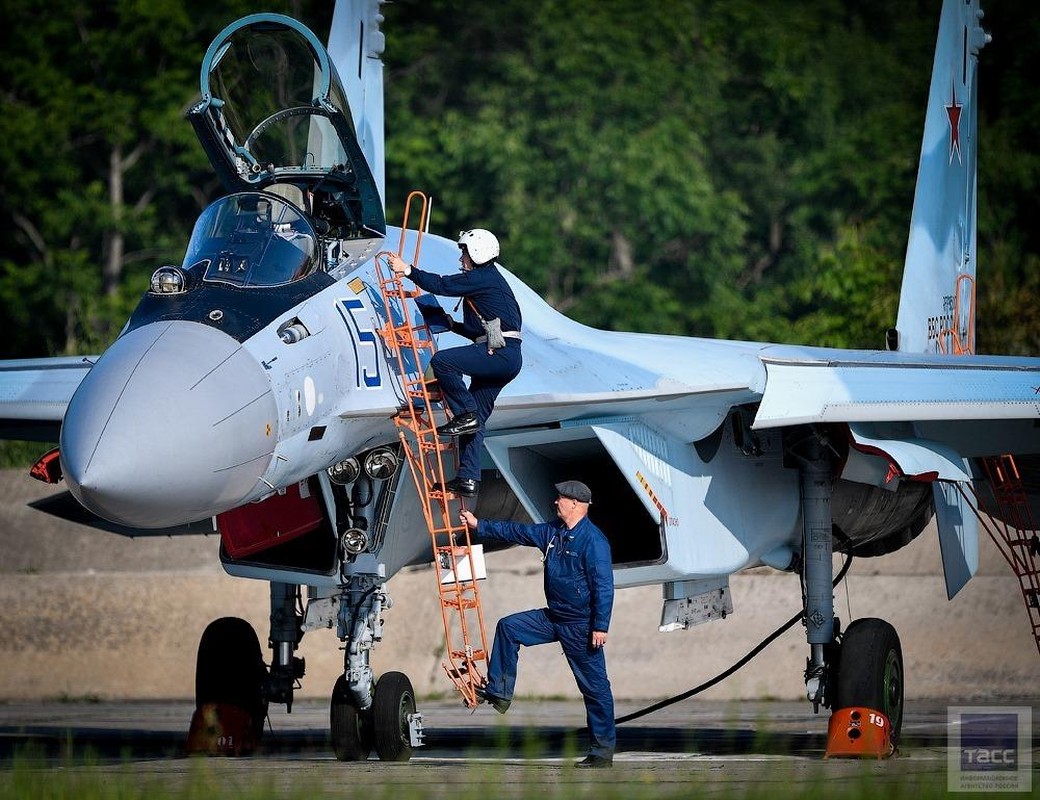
398, 265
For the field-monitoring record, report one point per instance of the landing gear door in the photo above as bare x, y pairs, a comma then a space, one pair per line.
273, 111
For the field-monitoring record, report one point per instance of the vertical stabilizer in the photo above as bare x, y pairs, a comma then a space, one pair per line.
355, 48
936, 304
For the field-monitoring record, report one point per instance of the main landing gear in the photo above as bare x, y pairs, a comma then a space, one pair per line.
230, 703
858, 674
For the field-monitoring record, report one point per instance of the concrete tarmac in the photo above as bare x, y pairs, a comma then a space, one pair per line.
111, 626
723, 747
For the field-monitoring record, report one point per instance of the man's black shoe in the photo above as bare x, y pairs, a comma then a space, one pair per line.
595, 762
461, 425
500, 704
467, 487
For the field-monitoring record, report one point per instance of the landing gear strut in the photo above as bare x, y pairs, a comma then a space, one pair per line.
859, 672
286, 668
817, 550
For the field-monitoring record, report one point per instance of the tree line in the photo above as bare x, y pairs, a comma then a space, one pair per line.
728, 168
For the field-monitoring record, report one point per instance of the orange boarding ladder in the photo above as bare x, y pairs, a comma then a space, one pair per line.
457, 569
1014, 532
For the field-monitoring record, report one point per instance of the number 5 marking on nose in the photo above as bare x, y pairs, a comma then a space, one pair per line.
364, 341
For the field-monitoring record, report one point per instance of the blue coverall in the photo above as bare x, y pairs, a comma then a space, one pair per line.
579, 588
487, 289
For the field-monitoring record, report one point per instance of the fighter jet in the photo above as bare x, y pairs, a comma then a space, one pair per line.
251, 391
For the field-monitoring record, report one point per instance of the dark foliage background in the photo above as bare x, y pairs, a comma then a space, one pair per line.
731, 168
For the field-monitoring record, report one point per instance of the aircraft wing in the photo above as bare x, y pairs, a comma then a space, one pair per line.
989, 394
924, 414
34, 394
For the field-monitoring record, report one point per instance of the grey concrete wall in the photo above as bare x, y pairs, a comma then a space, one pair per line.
87, 613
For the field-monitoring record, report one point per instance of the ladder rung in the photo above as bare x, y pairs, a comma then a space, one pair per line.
459, 602
404, 417
478, 655
449, 531
454, 549
464, 585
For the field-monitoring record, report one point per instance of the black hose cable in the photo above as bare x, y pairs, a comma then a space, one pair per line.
723, 675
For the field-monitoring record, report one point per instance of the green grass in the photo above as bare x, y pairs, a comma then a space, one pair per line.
28, 776
22, 455
73, 699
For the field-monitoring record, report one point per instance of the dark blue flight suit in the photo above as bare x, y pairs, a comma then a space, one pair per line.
579, 588
487, 289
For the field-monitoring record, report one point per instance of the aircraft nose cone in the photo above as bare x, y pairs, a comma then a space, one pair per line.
176, 422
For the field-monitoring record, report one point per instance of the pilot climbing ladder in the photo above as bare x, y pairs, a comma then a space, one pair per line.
458, 566
1011, 527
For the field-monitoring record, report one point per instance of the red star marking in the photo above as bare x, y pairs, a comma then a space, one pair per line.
953, 113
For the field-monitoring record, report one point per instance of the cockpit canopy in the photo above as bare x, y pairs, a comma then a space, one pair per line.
273, 110
253, 239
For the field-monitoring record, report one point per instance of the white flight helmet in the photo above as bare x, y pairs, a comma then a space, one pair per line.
481, 244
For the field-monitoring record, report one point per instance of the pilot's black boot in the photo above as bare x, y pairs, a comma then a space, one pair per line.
467, 487
461, 425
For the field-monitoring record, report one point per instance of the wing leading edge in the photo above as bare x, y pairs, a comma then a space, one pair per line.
34, 394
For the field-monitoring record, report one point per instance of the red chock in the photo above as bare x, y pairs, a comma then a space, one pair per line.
218, 729
859, 733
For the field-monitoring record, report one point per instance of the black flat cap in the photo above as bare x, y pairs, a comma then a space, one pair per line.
576, 490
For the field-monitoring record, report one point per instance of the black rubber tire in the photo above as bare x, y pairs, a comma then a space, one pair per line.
350, 726
394, 701
870, 674
230, 669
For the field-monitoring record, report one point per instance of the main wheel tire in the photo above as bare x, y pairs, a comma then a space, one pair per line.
394, 701
351, 727
230, 669
870, 674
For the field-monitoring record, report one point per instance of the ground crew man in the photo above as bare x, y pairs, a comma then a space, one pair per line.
579, 589
491, 318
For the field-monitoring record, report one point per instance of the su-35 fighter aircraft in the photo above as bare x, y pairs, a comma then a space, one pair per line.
251, 385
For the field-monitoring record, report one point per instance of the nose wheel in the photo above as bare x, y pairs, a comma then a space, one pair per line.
352, 729
393, 710
390, 726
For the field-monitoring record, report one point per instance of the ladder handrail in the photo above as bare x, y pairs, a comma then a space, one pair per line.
424, 218
1012, 513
